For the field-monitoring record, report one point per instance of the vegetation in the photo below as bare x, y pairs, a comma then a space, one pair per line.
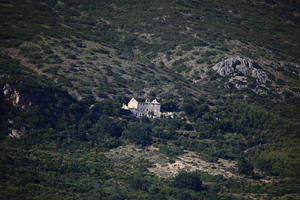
74, 63
70, 148
188, 181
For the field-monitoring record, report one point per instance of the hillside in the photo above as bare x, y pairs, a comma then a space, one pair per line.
231, 69
129, 47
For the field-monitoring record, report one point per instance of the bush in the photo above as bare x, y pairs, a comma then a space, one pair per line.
245, 167
139, 182
106, 125
139, 133
169, 151
111, 107
194, 109
188, 180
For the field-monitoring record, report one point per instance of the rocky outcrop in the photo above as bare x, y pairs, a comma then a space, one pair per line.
14, 97
241, 67
11, 94
15, 133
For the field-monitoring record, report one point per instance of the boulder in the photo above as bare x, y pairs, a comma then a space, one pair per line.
237, 66
11, 94
15, 133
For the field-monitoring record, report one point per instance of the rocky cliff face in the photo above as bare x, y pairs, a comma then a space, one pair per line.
238, 66
242, 72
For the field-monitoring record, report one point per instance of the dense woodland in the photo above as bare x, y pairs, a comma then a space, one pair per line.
77, 62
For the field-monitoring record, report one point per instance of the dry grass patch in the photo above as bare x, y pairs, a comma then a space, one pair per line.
161, 165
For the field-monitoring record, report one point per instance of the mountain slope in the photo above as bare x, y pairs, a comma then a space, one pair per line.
141, 45
230, 67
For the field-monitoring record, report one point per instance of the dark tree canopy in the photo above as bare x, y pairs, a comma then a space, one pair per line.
244, 166
105, 125
139, 133
188, 180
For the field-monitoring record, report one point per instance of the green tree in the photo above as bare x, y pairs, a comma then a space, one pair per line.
105, 125
139, 133
244, 166
188, 180
109, 107
169, 106
138, 181
194, 109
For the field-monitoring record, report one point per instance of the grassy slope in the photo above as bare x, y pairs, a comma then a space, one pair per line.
109, 47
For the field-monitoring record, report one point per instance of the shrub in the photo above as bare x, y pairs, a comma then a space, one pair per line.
139, 133
244, 166
106, 125
109, 107
188, 180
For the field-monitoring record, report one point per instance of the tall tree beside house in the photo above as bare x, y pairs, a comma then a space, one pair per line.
107, 126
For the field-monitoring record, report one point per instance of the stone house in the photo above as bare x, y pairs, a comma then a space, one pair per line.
147, 108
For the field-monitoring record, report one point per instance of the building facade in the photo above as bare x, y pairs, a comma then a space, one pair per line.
147, 108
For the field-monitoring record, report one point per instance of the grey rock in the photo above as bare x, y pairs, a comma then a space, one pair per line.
11, 94
260, 76
238, 66
15, 133
7, 89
